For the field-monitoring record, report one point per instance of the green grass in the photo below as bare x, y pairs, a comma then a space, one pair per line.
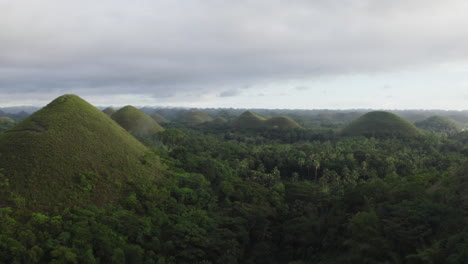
109, 111
71, 153
136, 122
380, 124
252, 120
195, 117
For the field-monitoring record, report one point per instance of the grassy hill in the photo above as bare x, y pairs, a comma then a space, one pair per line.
380, 124
438, 124
220, 120
282, 122
251, 120
195, 117
70, 153
159, 118
109, 111
136, 122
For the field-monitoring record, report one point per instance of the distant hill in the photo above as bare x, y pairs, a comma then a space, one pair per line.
249, 119
6, 123
136, 122
282, 122
380, 124
159, 118
220, 120
70, 153
194, 117
109, 111
438, 124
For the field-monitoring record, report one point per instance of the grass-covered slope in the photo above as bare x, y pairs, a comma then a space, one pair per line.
136, 122
251, 120
220, 120
70, 153
282, 122
195, 117
109, 111
380, 124
159, 118
438, 124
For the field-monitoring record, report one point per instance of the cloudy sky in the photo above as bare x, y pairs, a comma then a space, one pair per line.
335, 54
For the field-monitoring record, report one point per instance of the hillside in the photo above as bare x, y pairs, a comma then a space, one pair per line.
380, 124
136, 122
70, 153
438, 124
282, 122
251, 120
6, 123
195, 117
109, 111
220, 120
159, 118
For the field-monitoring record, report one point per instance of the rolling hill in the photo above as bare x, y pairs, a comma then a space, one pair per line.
70, 153
194, 117
159, 118
438, 124
136, 122
109, 111
249, 120
380, 124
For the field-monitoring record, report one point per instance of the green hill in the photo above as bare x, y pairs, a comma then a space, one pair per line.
195, 117
251, 120
6, 123
136, 122
380, 124
109, 111
159, 118
438, 124
282, 122
220, 120
70, 153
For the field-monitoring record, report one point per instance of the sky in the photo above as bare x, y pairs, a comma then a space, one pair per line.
296, 54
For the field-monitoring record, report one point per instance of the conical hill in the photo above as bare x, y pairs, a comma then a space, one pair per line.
70, 153
438, 124
109, 111
380, 124
136, 122
159, 118
282, 122
251, 120
195, 117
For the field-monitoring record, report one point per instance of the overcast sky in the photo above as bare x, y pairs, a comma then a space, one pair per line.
335, 54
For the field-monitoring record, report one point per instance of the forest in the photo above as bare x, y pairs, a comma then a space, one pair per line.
245, 191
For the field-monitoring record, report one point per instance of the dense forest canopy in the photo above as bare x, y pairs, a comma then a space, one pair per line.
214, 192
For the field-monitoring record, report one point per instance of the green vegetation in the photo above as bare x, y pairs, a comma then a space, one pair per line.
438, 124
194, 117
380, 124
70, 153
6, 123
250, 120
136, 122
228, 195
109, 111
159, 118
220, 120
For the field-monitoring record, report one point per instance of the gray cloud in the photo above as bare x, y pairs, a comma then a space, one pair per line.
230, 93
167, 47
